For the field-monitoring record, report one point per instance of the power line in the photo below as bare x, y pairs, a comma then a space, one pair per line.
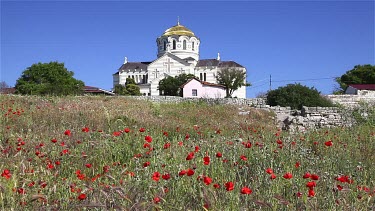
310, 79
251, 87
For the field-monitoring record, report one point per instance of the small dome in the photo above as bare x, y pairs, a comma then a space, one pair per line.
178, 30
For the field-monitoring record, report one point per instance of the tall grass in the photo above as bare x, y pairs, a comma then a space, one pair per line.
103, 153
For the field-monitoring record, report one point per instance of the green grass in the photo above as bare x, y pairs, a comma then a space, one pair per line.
117, 178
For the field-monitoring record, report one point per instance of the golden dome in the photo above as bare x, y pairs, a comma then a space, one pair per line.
178, 30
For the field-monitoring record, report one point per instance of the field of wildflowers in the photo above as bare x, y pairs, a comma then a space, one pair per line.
107, 153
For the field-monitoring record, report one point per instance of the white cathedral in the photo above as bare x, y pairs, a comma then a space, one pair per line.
178, 52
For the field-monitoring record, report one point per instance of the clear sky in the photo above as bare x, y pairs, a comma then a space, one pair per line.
309, 42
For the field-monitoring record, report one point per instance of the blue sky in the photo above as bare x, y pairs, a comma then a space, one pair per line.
309, 42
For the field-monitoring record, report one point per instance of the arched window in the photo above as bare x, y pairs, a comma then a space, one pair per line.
174, 44
193, 46
184, 45
165, 45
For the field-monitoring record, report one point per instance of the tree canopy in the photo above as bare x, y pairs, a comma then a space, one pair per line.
360, 74
130, 88
48, 79
296, 96
232, 78
170, 86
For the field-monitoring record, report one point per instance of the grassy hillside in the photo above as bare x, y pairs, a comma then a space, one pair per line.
99, 153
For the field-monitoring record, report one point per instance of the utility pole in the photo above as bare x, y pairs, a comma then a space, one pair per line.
270, 83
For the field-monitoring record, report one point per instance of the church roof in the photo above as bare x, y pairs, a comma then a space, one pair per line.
217, 63
134, 66
363, 86
203, 83
178, 30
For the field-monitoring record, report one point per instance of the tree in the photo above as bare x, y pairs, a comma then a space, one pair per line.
232, 78
170, 86
3, 85
360, 74
130, 88
120, 90
296, 96
48, 79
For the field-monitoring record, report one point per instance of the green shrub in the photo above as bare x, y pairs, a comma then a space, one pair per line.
296, 96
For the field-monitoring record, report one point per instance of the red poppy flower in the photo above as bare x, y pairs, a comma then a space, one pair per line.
311, 193
229, 186
306, 175
219, 155
31, 184
21, 191
273, 176
328, 143
216, 185
85, 129
156, 200
190, 172
299, 194
167, 145
243, 157
54, 140
297, 165
269, 171
6, 173
88, 165
146, 164
182, 173
246, 190
288, 175
156, 176
126, 130
43, 184
207, 180
50, 166
166, 176
311, 185
314, 177
142, 129
247, 144
279, 141
344, 179
67, 132
105, 169
190, 156
148, 139
116, 133
206, 160
82, 196
196, 149
339, 187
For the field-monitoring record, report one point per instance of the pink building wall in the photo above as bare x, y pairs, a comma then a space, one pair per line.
203, 91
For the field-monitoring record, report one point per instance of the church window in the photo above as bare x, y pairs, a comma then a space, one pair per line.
194, 92
165, 45
184, 44
193, 46
174, 44
201, 76
204, 76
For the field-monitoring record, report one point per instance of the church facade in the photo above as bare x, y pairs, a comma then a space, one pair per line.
178, 53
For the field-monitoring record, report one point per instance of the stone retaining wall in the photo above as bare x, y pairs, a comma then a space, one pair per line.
287, 118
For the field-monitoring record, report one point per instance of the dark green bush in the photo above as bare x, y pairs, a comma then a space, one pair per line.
296, 96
